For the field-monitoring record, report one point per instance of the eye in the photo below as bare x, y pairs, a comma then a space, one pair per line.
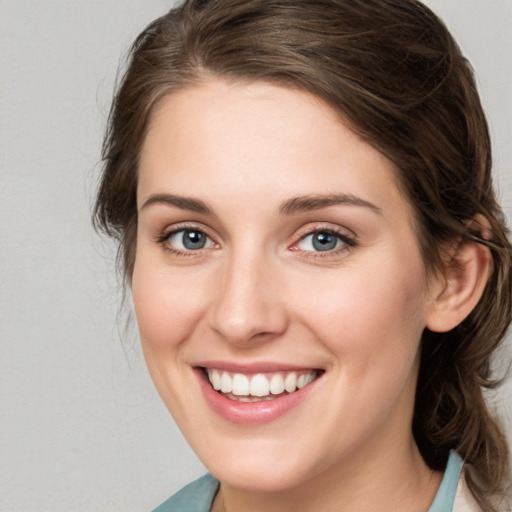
324, 241
189, 240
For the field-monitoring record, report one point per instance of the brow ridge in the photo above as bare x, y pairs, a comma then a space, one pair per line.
306, 203
185, 203
291, 206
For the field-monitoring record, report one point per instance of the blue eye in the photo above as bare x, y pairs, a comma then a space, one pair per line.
189, 240
323, 241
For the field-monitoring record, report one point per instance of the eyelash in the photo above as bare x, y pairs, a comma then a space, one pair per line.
347, 242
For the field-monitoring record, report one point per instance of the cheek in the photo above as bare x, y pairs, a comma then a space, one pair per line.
371, 322
167, 306
372, 313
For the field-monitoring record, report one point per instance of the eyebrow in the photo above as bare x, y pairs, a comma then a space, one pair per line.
185, 203
294, 205
316, 202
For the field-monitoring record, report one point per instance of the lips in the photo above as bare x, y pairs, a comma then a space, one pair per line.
253, 395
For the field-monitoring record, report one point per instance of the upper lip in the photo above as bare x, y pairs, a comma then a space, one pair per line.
255, 367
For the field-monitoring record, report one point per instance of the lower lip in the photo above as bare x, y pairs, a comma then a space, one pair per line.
251, 413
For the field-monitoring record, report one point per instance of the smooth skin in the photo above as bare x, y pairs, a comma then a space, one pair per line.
222, 167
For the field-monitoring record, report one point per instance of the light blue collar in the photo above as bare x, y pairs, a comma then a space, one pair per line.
445, 496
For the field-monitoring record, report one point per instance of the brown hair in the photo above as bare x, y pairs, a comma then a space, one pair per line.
393, 72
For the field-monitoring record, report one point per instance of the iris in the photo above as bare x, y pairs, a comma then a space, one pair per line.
193, 240
324, 241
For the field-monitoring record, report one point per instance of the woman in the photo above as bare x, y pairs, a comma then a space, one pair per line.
319, 267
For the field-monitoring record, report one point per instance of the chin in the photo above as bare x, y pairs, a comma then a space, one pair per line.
260, 465
266, 478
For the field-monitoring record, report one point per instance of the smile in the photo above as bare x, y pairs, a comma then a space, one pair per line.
258, 387
255, 394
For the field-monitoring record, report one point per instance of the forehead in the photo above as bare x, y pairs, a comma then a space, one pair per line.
252, 139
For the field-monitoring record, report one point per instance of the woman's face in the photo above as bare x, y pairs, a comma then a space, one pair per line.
276, 252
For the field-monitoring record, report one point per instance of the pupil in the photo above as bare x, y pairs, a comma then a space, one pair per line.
324, 241
193, 240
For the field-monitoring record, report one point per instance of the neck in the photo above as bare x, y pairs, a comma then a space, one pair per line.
398, 480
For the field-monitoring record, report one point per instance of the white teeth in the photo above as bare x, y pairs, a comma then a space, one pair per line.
226, 384
305, 379
240, 385
277, 384
259, 385
290, 383
214, 376
250, 398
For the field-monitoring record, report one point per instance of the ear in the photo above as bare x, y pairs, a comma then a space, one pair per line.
462, 282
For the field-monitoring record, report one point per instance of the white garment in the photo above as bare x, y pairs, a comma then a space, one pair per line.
464, 501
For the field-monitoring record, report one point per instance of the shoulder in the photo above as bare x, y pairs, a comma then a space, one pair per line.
195, 497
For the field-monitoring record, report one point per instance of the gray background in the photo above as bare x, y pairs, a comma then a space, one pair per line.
81, 427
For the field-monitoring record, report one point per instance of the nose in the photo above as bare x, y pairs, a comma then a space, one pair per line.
248, 305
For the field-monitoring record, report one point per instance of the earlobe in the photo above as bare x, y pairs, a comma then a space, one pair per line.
462, 283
